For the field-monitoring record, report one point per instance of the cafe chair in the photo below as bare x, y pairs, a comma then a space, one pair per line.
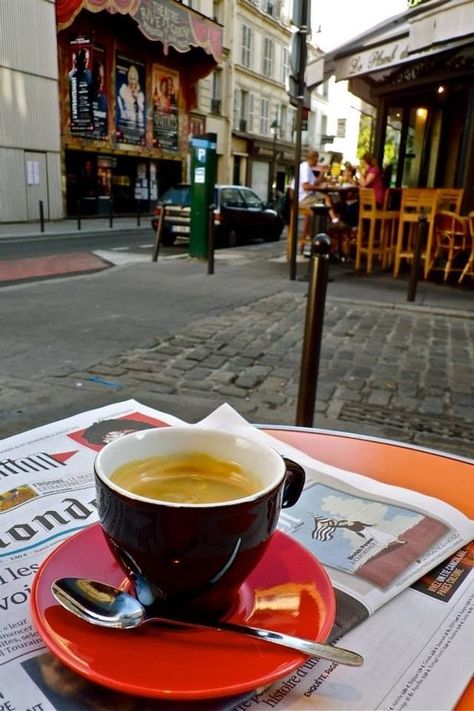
372, 230
469, 268
391, 206
449, 199
450, 240
415, 202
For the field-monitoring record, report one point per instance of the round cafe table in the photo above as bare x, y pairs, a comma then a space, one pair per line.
430, 472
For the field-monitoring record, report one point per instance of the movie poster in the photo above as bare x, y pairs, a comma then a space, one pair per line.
87, 90
165, 108
131, 102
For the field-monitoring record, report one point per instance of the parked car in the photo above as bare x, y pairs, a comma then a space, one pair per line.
239, 214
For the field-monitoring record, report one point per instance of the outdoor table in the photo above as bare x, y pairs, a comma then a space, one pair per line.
433, 473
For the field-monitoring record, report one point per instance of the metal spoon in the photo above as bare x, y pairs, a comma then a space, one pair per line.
106, 606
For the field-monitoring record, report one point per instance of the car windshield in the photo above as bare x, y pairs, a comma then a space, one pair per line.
177, 195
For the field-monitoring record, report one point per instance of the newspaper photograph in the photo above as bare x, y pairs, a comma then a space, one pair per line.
350, 522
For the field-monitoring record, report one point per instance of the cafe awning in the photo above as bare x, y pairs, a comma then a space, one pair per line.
431, 27
165, 21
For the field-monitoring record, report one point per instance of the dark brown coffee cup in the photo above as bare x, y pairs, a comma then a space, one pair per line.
187, 558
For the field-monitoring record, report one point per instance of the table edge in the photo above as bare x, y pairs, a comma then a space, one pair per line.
368, 438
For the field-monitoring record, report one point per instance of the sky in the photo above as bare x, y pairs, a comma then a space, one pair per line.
342, 20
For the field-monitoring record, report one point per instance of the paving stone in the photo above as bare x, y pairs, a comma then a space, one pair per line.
379, 397
186, 364
198, 354
230, 390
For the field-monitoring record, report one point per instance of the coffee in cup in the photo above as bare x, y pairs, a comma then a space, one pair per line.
195, 478
184, 555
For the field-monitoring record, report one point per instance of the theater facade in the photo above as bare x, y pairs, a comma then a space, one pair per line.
128, 71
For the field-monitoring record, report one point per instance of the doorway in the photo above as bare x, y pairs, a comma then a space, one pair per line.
36, 174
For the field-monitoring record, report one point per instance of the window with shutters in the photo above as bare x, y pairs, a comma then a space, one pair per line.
341, 128
264, 117
253, 114
246, 46
285, 64
267, 57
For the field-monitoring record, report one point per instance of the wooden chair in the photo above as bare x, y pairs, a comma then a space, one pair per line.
391, 206
450, 239
449, 199
469, 268
372, 229
415, 202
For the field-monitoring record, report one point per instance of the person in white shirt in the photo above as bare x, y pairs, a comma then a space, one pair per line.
312, 175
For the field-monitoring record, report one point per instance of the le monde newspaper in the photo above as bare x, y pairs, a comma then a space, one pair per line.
401, 564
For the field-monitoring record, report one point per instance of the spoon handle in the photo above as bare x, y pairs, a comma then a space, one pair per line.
306, 646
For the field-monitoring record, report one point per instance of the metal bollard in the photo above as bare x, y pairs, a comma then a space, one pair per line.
78, 208
318, 280
41, 211
111, 213
159, 232
211, 235
418, 242
138, 213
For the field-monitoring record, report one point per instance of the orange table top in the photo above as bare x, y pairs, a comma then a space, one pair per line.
433, 473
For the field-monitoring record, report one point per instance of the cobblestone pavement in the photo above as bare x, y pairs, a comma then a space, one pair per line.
402, 374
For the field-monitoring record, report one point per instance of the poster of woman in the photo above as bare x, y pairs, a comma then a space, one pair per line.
165, 107
130, 92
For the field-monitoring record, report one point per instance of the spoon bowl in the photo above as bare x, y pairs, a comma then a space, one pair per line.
108, 606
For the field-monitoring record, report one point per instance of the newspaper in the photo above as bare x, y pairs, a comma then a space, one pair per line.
47, 493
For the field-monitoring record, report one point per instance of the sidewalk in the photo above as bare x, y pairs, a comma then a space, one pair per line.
178, 339
68, 226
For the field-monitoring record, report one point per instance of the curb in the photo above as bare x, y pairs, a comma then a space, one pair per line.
432, 310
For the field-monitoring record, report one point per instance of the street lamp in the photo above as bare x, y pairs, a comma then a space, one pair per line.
274, 129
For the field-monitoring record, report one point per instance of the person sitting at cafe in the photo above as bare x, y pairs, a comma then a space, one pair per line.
312, 176
371, 177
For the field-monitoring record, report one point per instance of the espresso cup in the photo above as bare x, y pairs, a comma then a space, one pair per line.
192, 557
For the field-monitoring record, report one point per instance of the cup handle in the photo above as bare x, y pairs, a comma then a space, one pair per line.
294, 482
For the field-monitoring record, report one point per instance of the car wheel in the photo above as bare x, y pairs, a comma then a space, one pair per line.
232, 239
168, 240
272, 237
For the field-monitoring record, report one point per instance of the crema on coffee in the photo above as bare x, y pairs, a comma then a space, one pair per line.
195, 478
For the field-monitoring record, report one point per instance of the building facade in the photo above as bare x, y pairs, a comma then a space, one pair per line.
30, 146
128, 75
417, 70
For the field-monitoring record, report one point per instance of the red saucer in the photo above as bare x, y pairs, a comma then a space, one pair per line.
289, 591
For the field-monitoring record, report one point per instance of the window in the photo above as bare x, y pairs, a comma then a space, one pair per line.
291, 122
241, 110
285, 64
252, 200
324, 126
264, 117
216, 92
253, 114
267, 57
246, 47
270, 7
283, 121
341, 128
231, 197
